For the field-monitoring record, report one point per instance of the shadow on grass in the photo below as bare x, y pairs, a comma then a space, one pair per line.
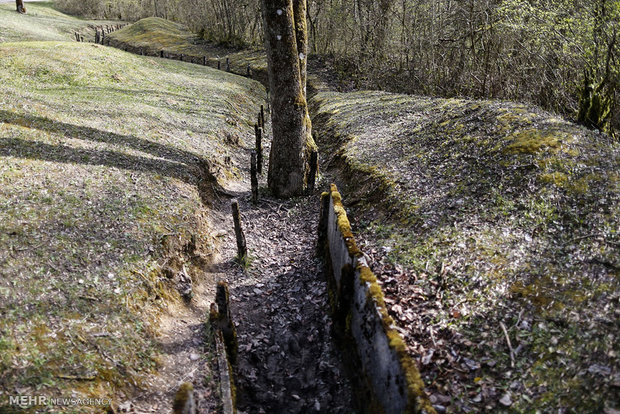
97, 135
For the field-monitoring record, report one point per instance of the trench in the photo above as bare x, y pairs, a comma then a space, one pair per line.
288, 361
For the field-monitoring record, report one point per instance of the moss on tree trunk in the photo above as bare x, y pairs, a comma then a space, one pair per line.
301, 38
292, 139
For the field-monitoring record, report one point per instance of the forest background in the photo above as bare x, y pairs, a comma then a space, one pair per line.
563, 55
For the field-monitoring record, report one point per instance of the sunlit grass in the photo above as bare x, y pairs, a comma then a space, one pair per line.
101, 159
42, 22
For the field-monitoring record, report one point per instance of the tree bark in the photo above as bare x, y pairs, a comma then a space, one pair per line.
20, 6
292, 139
301, 38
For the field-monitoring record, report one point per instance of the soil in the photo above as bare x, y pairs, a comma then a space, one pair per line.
287, 360
183, 360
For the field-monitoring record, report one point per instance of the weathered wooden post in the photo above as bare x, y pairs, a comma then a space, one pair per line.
81, 38
227, 65
258, 131
161, 53
314, 167
204, 61
262, 116
242, 249
224, 320
254, 178
219, 65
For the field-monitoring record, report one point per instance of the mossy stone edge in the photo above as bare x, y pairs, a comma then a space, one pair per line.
367, 303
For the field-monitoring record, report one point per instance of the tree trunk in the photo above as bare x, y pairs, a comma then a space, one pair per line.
292, 140
20, 6
301, 38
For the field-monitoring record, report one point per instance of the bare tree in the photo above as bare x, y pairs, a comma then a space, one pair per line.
285, 35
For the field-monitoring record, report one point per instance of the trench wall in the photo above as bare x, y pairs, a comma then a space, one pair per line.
389, 373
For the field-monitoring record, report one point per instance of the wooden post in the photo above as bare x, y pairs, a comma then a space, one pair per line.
262, 116
219, 64
314, 166
227, 65
242, 249
254, 178
81, 38
161, 53
258, 131
224, 320
204, 61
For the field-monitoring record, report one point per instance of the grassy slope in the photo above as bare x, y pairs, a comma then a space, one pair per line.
42, 22
155, 34
511, 214
101, 155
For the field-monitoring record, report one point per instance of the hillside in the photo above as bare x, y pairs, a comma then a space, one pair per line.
483, 213
42, 22
492, 226
109, 162
152, 35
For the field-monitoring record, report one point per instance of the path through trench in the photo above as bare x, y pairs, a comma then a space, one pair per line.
288, 362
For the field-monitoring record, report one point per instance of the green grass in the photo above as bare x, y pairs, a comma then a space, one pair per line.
509, 209
42, 22
153, 34
102, 157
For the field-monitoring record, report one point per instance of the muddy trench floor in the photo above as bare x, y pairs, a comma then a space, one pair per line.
288, 361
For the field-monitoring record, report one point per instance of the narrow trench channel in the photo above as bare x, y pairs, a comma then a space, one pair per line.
288, 361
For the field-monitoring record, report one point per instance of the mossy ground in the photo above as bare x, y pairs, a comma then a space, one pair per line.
501, 213
102, 156
43, 22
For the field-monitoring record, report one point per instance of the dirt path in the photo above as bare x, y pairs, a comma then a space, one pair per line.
287, 358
